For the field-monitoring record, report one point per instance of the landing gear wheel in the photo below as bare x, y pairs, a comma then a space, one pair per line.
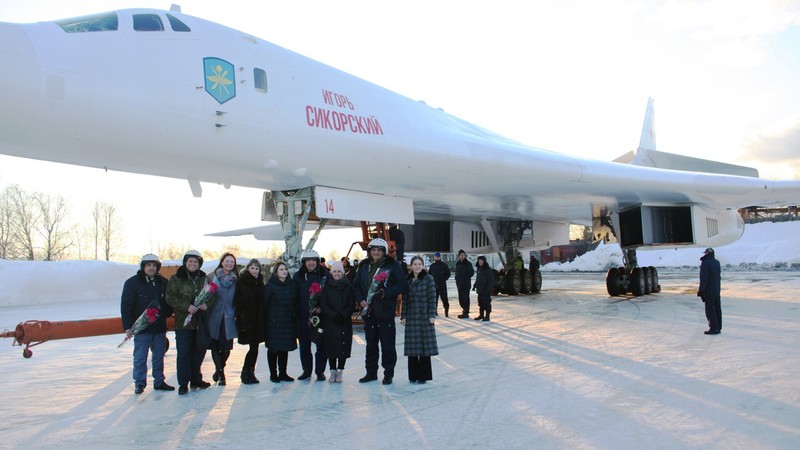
612, 282
527, 281
27, 353
648, 280
512, 282
637, 281
537, 282
656, 286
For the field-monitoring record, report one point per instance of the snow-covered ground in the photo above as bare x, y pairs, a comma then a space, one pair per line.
567, 368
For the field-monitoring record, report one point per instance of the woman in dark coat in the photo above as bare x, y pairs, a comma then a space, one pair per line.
336, 305
280, 317
484, 282
248, 303
419, 316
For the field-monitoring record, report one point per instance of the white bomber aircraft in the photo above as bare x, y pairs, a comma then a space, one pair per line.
164, 93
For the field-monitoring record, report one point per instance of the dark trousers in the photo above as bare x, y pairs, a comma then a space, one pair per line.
463, 296
380, 331
306, 360
441, 292
337, 363
277, 361
419, 368
251, 357
485, 302
189, 357
714, 313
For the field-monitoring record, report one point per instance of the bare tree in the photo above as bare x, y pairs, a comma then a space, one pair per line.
8, 244
53, 212
24, 221
107, 229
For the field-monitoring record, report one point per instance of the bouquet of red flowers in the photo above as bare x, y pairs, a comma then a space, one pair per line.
314, 294
379, 279
145, 320
208, 288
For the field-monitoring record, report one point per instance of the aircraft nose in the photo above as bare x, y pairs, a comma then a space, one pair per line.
19, 80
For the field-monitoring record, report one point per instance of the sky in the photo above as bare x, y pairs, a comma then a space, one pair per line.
568, 368
568, 76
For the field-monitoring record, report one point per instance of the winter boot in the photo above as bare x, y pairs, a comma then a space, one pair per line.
246, 377
486, 319
272, 361
253, 376
480, 317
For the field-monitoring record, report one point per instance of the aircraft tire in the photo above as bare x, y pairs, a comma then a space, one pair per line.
612, 282
527, 281
513, 282
637, 281
656, 286
648, 280
536, 287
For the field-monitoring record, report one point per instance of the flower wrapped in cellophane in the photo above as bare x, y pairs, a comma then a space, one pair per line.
204, 296
145, 320
377, 282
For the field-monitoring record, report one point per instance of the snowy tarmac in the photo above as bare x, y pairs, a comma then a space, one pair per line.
569, 368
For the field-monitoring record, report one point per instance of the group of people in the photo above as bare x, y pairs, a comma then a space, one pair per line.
284, 313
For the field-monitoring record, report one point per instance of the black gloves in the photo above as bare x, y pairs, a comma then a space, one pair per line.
379, 295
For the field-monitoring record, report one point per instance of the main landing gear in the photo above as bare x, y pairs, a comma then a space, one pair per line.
632, 278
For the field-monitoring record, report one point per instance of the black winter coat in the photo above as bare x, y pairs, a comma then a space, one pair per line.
710, 280
138, 294
337, 304
382, 309
304, 280
248, 303
440, 272
484, 281
280, 314
464, 273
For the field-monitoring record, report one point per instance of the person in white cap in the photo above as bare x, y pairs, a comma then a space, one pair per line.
709, 290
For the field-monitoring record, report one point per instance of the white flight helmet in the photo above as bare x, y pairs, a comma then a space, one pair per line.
150, 258
193, 254
309, 254
378, 242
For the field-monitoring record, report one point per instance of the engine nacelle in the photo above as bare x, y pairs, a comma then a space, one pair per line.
678, 226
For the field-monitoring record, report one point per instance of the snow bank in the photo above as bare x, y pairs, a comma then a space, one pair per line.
763, 246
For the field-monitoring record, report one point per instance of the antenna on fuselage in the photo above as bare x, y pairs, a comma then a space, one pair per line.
175, 8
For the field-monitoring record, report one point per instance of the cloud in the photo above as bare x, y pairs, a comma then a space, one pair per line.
777, 151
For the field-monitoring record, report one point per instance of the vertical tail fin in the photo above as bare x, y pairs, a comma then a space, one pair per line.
648, 139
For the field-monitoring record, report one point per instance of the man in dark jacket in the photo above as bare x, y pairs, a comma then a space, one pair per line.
440, 273
144, 293
464, 273
379, 324
709, 290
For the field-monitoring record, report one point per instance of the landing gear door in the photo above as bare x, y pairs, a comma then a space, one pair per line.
341, 204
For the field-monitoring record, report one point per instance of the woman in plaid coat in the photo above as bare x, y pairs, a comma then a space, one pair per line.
418, 316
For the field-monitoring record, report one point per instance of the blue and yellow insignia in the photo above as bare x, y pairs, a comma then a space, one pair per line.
220, 79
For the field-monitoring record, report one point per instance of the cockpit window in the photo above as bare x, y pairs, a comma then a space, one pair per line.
147, 22
176, 24
97, 22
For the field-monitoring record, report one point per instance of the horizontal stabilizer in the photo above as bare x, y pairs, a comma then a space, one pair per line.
663, 160
274, 232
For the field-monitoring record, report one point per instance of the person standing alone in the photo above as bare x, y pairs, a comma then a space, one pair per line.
709, 290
